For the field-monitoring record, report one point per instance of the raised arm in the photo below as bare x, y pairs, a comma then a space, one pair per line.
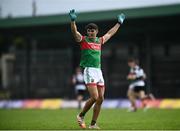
114, 29
75, 33
74, 30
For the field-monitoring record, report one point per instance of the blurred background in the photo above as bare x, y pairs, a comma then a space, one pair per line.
38, 54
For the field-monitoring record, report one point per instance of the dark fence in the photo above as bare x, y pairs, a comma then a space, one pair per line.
48, 73
41, 74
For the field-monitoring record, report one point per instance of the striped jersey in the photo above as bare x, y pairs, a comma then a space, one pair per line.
140, 75
79, 81
91, 52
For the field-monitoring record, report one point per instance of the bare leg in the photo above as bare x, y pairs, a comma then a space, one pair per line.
79, 99
93, 97
132, 98
97, 106
143, 98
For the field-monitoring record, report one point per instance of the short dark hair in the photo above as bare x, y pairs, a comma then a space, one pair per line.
133, 60
91, 26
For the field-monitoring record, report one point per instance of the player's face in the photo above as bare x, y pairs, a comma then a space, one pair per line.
92, 32
131, 64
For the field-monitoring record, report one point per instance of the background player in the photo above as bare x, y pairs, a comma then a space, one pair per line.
79, 85
137, 84
90, 61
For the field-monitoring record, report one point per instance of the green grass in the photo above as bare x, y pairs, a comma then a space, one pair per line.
109, 119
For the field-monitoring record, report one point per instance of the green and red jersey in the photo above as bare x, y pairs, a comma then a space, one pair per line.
91, 52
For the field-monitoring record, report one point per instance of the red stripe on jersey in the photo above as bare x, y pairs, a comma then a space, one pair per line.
85, 45
90, 45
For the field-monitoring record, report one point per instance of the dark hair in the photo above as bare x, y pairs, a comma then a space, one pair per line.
133, 60
91, 26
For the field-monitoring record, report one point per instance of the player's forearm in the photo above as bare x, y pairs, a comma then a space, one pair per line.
74, 28
75, 31
114, 29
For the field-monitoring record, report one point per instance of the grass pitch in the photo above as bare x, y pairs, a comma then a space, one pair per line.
110, 119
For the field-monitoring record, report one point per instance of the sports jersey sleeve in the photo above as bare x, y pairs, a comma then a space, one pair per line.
82, 39
140, 73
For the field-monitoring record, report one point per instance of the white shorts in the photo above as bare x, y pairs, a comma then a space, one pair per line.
93, 77
80, 87
138, 83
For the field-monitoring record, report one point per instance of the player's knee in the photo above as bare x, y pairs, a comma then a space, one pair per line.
95, 97
100, 99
